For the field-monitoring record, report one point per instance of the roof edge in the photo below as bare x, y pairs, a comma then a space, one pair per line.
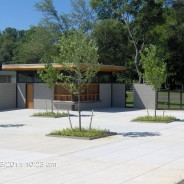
31, 67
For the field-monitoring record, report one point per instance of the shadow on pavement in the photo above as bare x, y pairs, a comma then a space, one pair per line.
11, 125
139, 134
116, 110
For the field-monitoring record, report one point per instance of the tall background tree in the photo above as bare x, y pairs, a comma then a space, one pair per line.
10, 39
38, 46
139, 18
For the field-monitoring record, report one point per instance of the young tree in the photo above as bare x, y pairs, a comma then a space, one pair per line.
154, 69
78, 57
50, 76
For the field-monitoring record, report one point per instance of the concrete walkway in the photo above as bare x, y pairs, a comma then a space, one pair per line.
142, 153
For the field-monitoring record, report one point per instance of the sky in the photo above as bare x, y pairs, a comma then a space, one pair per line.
21, 14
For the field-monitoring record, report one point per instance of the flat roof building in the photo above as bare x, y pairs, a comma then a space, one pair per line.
31, 92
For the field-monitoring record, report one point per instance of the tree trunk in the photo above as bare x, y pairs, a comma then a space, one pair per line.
156, 96
79, 110
137, 64
52, 105
52, 101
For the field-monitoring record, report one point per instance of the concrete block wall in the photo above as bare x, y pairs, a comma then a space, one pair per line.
42, 96
118, 95
144, 96
14, 95
21, 95
105, 95
64, 105
42, 99
7, 96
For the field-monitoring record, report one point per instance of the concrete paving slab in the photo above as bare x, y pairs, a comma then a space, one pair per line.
141, 153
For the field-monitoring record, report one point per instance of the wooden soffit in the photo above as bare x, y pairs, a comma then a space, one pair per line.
34, 67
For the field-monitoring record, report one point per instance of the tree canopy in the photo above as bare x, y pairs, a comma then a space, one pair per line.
121, 29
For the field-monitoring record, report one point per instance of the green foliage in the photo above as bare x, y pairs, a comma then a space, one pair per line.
108, 9
175, 40
80, 18
121, 28
78, 56
139, 18
112, 41
52, 19
154, 68
49, 75
50, 114
82, 15
9, 41
181, 182
156, 119
80, 133
38, 46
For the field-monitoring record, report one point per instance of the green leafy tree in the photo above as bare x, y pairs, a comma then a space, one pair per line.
52, 19
50, 76
10, 39
154, 68
139, 17
112, 41
81, 17
38, 45
78, 57
174, 38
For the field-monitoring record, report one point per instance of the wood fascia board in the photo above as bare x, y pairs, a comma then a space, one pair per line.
33, 67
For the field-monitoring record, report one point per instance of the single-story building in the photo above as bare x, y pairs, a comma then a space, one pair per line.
30, 92
7, 77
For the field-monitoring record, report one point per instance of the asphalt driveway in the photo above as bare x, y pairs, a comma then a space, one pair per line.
141, 153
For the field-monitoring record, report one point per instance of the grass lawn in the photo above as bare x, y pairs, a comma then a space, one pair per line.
129, 99
182, 182
173, 100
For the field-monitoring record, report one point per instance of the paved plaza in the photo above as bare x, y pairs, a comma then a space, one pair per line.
141, 153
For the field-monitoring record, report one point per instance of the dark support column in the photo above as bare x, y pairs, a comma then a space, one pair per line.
111, 94
180, 99
168, 99
156, 100
16, 96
